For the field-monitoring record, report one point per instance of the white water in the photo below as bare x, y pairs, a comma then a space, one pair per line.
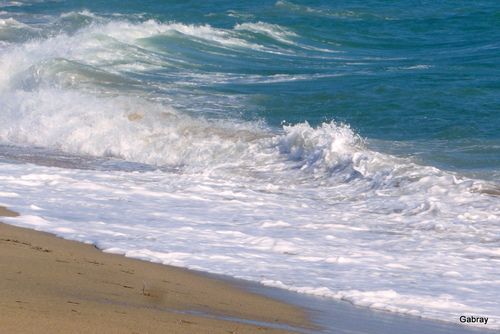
312, 210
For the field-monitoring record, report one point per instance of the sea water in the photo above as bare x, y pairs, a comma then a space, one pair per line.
346, 149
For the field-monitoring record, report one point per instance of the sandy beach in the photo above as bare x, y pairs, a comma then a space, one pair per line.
51, 285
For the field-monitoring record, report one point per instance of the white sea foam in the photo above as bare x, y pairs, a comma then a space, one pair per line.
128, 128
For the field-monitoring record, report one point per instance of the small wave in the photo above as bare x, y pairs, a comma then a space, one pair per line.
272, 30
328, 12
65, 73
130, 32
278, 34
71, 22
11, 3
10, 22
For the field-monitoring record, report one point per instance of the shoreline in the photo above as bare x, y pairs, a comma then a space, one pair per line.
55, 284
50, 284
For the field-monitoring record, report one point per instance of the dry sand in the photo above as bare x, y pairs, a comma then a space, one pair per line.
51, 285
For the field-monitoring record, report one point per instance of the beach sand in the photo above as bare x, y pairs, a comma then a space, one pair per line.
52, 285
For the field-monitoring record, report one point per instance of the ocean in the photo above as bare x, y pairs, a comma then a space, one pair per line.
344, 149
